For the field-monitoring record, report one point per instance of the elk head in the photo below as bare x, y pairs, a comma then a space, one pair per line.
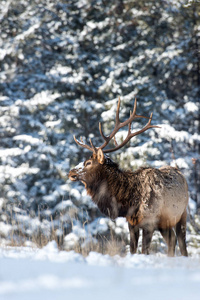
95, 166
86, 170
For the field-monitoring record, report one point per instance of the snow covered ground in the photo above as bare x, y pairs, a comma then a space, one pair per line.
45, 274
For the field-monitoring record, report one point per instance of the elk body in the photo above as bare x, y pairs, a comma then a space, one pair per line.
149, 198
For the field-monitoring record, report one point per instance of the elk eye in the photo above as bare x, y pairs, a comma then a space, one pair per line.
88, 163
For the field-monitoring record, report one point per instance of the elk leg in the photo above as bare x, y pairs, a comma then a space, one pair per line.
170, 238
146, 239
181, 234
134, 236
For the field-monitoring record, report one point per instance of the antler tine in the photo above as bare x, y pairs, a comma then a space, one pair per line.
130, 135
115, 141
135, 107
129, 131
92, 148
117, 113
101, 132
134, 111
129, 125
118, 124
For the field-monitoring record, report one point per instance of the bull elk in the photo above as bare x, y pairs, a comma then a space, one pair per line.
149, 198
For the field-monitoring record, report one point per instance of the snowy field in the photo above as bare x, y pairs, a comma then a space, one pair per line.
45, 274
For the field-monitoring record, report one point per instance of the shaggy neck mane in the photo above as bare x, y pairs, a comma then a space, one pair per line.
114, 190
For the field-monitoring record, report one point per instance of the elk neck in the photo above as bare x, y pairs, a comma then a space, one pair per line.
114, 191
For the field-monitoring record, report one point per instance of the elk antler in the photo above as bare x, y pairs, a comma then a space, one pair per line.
92, 148
119, 125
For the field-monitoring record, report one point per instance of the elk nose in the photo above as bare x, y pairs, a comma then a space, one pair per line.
72, 176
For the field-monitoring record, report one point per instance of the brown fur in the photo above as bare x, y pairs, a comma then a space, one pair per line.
148, 198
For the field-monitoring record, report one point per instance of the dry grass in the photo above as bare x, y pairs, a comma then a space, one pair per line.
21, 234
103, 245
110, 243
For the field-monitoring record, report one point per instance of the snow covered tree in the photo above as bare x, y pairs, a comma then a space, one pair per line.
63, 65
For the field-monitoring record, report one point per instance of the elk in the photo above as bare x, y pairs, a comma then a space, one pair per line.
149, 198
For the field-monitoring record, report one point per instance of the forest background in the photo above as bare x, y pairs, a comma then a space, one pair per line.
63, 65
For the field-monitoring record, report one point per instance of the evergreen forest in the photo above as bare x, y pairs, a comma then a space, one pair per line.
63, 65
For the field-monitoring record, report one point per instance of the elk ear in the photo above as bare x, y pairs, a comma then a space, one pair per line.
100, 156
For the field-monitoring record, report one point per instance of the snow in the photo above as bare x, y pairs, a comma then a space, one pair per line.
5, 228
47, 273
10, 152
27, 138
24, 169
191, 107
79, 166
61, 72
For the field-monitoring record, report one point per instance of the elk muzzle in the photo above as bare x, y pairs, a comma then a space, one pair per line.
73, 175
76, 173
